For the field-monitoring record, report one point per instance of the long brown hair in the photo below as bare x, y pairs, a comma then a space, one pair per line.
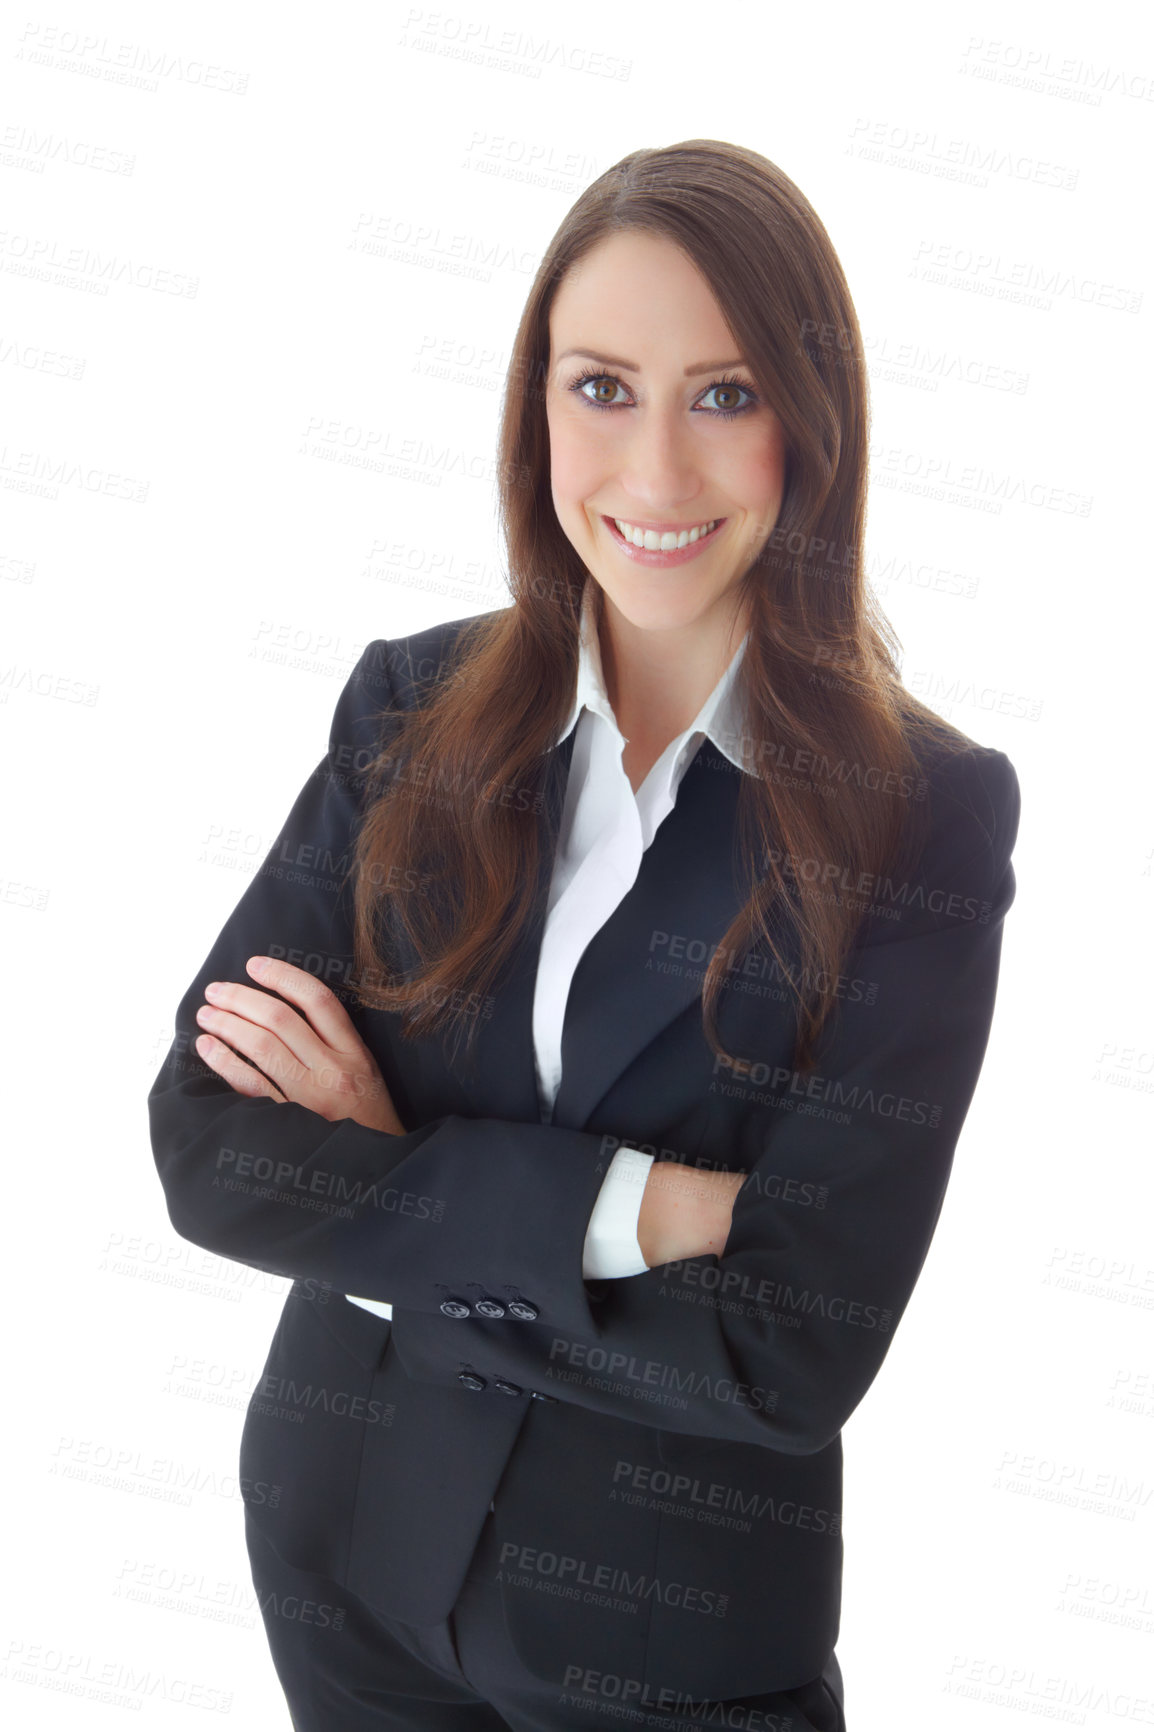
819, 680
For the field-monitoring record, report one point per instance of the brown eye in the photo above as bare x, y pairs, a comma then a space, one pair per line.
606, 392
727, 393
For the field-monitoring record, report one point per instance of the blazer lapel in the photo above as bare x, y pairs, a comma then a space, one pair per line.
647, 963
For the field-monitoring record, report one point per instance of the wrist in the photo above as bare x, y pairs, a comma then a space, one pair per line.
685, 1212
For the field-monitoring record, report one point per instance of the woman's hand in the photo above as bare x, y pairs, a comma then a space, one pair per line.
685, 1212
321, 1062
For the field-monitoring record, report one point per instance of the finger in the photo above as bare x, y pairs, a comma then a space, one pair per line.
286, 1048
265, 1011
319, 1002
235, 1072
260, 1043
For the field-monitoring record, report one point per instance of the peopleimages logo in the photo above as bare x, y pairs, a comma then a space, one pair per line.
794, 1302
708, 1496
297, 1398
685, 1380
570, 1572
830, 874
781, 1083
766, 755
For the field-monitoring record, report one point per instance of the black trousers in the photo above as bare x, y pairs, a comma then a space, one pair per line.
347, 1668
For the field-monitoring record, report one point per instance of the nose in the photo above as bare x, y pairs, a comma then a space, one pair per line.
659, 467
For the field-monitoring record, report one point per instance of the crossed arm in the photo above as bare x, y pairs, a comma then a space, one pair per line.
303, 1046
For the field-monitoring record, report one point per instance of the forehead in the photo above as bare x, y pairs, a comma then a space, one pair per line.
636, 289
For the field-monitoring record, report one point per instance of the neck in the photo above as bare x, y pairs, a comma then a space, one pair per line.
657, 681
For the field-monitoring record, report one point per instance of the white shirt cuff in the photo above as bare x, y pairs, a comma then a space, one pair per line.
611, 1246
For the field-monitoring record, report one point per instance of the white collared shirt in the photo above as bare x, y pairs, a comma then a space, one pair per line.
605, 829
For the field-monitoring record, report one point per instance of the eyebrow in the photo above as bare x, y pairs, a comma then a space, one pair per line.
632, 367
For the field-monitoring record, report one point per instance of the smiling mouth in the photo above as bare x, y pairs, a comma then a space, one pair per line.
663, 541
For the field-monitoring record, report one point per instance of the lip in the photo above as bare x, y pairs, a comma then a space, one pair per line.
654, 556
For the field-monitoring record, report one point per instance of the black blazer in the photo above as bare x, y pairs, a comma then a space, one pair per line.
668, 1444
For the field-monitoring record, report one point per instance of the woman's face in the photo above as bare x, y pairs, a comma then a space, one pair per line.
653, 438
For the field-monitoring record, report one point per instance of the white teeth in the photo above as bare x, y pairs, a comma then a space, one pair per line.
655, 543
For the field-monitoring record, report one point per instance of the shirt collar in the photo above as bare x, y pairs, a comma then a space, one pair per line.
720, 717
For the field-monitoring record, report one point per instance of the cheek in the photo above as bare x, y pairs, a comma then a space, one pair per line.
761, 474
757, 482
576, 462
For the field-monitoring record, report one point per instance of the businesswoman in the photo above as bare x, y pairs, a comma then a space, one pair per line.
591, 1049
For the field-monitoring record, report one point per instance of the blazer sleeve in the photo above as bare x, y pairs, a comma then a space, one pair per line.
775, 1342
278, 1187
612, 1248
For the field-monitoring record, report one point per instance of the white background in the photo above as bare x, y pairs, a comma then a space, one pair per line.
171, 659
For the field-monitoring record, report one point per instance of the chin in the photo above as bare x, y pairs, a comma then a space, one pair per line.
646, 607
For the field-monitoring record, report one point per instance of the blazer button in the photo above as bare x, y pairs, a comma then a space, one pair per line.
506, 1387
538, 1395
488, 1307
523, 1309
471, 1379
455, 1307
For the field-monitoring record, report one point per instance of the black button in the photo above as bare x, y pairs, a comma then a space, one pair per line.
539, 1396
455, 1307
507, 1388
487, 1306
523, 1309
471, 1379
